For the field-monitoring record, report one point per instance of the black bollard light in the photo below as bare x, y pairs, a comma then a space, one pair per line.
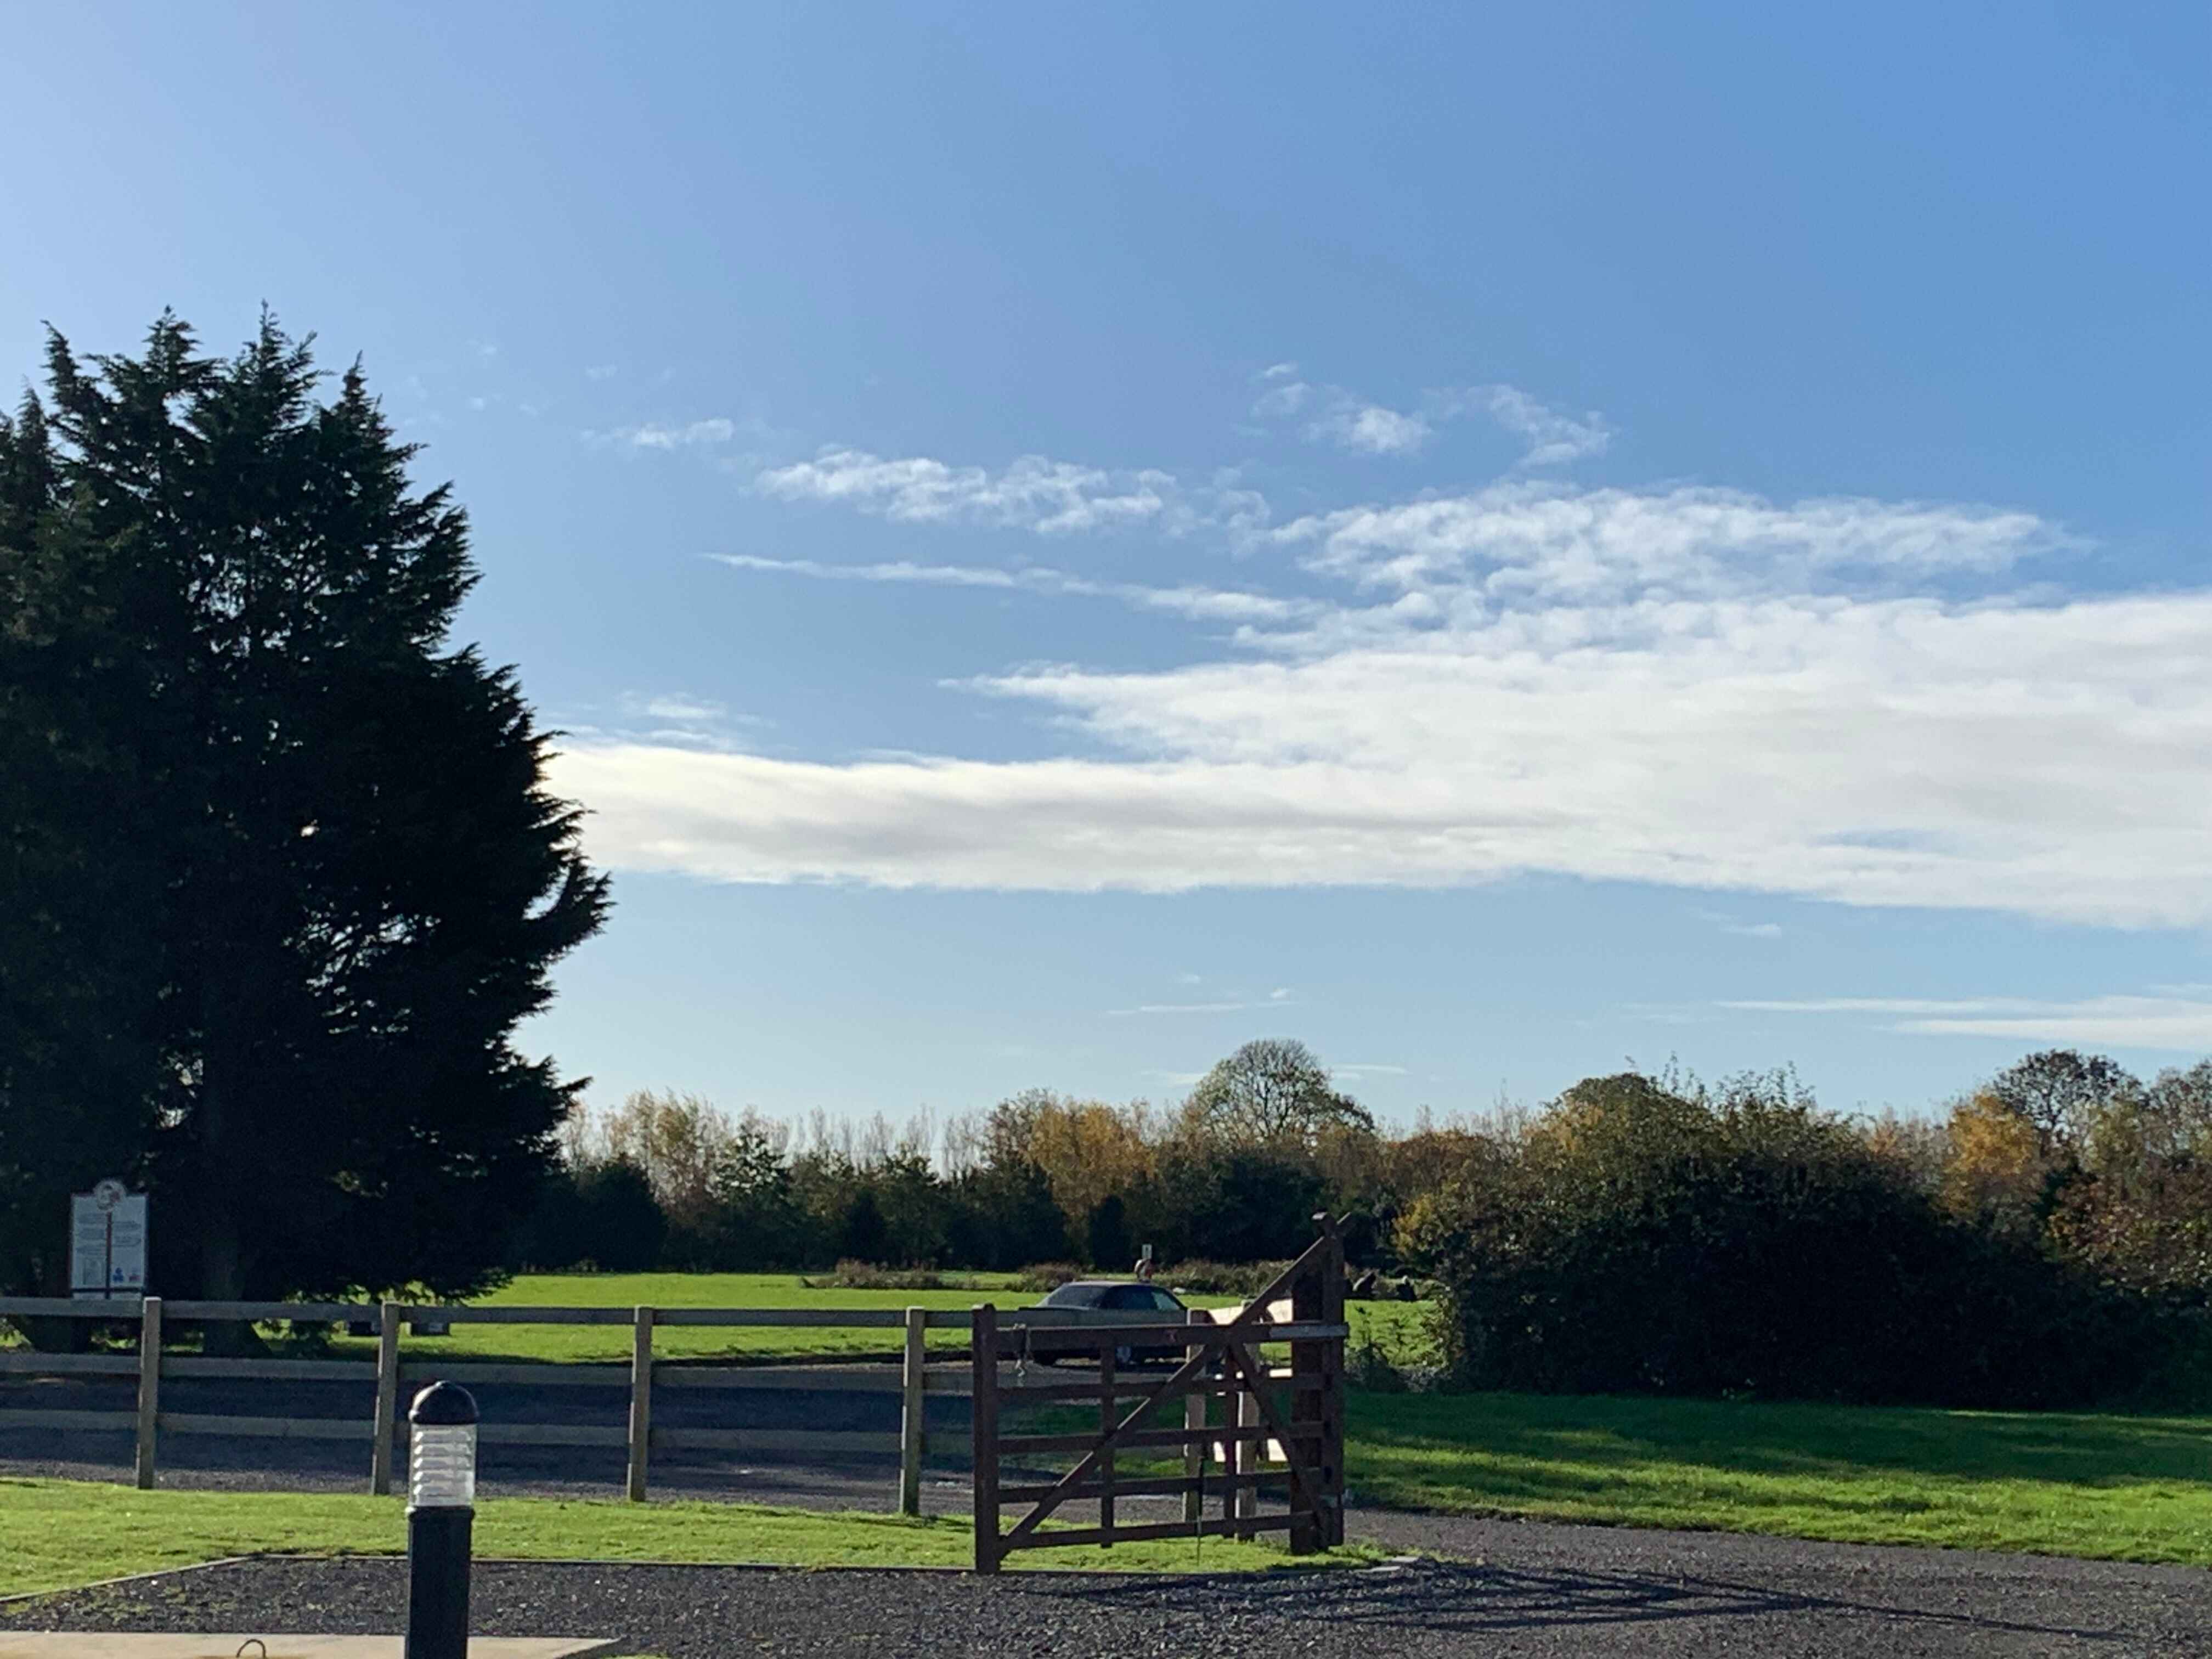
441, 1496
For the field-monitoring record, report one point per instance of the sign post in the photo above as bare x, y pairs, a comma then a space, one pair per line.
107, 1241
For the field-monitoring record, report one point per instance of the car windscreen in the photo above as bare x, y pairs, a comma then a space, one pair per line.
1077, 1296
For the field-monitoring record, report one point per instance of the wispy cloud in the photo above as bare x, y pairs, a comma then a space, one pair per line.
1033, 493
601, 372
715, 430
1372, 429
2177, 1023
1203, 604
1184, 1008
1523, 543
1351, 421
1236, 1004
1553, 439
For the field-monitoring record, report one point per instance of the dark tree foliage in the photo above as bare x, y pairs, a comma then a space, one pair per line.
1107, 1245
862, 1234
603, 1217
283, 874
1002, 1217
79, 1052
1232, 1203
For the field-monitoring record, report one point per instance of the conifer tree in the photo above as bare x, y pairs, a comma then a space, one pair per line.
291, 846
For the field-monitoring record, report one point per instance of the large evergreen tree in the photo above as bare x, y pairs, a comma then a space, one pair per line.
281, 873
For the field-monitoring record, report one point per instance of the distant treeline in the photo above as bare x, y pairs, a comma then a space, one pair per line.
2046, 1240
1235, 1173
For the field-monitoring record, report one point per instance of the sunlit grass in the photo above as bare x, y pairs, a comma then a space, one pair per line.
58, 1532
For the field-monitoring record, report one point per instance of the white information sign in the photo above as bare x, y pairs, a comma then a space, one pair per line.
107, 1241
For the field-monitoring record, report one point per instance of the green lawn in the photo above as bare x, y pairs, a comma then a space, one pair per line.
2124, 1488
1396, 1325
57, 1533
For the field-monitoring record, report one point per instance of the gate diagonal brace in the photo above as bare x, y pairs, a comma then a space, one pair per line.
1217, 1336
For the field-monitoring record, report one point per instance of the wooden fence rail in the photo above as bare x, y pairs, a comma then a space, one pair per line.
393, 1372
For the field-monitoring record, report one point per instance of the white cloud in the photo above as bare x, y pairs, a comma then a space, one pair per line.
1372, 429
1528, 542
1034, 493
2180, 1024
1553, 438
601, 372
716, 429
1201, 604
1282, 400
1353, 422
1842, 699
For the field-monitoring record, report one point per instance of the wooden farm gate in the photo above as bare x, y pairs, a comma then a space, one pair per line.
1253, 1436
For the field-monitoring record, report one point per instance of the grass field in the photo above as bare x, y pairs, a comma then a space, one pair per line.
1396, 1326
57, 1533
2122, 1488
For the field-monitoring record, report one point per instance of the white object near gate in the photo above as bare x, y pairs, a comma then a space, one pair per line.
107, 1241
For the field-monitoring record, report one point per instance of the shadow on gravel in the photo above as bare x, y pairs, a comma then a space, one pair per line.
1468, 1598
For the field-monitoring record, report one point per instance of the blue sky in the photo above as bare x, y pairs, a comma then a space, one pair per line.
1496, 542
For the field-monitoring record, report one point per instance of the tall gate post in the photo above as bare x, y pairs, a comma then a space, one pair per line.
983, 1363
1318, 1379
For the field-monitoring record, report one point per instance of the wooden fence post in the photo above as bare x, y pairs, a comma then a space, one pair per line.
1107, 1418
641, 1401
150, 1389
388, 1398
1244, 1461
1194, 1417
983, 1366
910, 1407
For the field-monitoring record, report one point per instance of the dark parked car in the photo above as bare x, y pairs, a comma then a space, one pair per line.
1121, 1296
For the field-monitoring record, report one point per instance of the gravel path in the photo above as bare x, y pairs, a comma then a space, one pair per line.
1518, 1590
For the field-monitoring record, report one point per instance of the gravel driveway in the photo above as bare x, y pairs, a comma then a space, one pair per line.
1516, 1589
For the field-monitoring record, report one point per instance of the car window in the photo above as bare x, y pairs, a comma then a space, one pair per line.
1128, 1296
1074, 1296
1163, 1299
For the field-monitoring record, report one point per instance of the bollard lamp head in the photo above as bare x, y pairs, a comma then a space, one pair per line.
441, 1454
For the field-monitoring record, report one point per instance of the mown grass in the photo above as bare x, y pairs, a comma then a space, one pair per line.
2108, 1486
57, 1533
1397, 1325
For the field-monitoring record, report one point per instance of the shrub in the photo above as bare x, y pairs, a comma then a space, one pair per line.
866, 1276
1637, 1240
1205, 1278
1048, 1275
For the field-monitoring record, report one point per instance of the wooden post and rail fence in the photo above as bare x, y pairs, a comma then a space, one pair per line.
1217, 1362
